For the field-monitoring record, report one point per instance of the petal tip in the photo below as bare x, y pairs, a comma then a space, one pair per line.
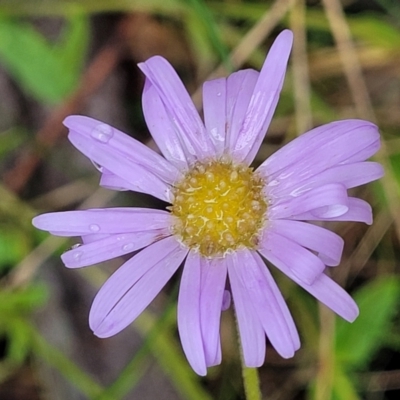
40, 222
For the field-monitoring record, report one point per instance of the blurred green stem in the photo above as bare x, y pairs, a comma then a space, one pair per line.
251, 380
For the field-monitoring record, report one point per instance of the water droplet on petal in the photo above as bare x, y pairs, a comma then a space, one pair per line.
219, 94
226, 300
102, 133
78, 255
94, 228
127, 247
75, 246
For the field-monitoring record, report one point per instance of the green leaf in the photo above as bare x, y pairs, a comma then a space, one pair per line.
11, 139
205, 17
14, 245
343, 386
21, 301
357, 342
375, 31
73, 7
48, 72
19, 341
54, 357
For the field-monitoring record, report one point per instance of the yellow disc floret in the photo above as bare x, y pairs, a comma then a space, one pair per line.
218, 207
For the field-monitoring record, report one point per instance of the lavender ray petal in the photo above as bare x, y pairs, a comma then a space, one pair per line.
326, 201
302, 262
213, 279
349, 175
359, 211
323, 288
240, 87
110, 247
133, 286
264, 99
316, 151
162, 128
280, 301
266, 305
122, 145
189, 324
102, 220
252, 335
140, 179
108, 180
93, 237
178, 105
327, 244
214, 107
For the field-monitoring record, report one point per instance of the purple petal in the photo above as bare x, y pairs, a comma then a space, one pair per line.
280, 301
213, 279
140, 178
323, 288
93, 237
133, 286
316, 151
365, 152
122, 145
349, 175
359, 211
111, 181
178, 105
102, 220
302, 262
326, 201
240, 86
327, 244
189, 314
252, 336
267, 302
264, 99
110, 247
162, 128
214, 107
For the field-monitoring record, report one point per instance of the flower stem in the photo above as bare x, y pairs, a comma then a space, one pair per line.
251, 381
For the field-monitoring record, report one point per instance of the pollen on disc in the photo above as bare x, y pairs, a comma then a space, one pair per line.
219, 207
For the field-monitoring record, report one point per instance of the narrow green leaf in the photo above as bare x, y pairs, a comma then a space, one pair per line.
46, 71
19, 341
211, 30
21, 301
74, 7
357, 342
343, 386
54, 357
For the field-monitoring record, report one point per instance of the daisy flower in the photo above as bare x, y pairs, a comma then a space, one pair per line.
225, 218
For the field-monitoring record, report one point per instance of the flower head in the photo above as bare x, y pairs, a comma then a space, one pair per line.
224, 216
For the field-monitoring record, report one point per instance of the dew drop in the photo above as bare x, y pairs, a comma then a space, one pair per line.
127, 247
226, 300
94, 228
102, 133
78, 255
219, 94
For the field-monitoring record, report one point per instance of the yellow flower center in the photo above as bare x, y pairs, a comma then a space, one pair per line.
218, 207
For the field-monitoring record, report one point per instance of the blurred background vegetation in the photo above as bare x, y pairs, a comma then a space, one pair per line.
61, 57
